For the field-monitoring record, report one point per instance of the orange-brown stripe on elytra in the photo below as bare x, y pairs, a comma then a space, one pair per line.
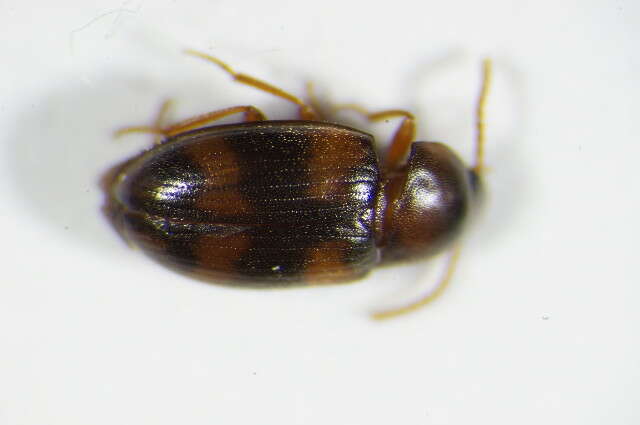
326, 263
333, 152
220, 195
219, 255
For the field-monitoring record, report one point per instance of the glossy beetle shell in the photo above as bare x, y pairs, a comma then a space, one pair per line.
278, 202
270, 201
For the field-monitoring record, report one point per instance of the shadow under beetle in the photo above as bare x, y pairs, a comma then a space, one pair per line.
277, 203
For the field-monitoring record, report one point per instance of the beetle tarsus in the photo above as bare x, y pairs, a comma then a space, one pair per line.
442, 285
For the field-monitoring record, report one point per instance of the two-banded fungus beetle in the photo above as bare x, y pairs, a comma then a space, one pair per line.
278, 203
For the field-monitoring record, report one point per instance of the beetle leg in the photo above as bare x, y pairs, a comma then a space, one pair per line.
402, 138
251, 113
156, 128
454, 254
161, 118
306, 112
480, 109
314, 102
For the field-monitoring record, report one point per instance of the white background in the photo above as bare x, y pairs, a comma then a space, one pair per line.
540, 325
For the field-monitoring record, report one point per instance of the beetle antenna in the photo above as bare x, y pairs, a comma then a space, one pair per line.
480, 110
454, 254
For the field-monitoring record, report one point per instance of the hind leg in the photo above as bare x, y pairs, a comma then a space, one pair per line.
305, 111
251, 113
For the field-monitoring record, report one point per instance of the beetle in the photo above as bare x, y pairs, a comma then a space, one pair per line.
277, 203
